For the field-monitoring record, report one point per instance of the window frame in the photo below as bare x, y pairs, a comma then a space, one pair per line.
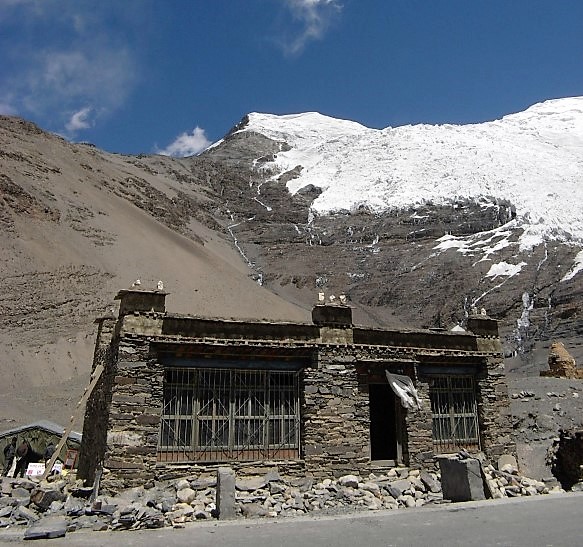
454, 412
244, 408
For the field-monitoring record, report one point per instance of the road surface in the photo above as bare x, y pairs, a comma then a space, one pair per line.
553, 520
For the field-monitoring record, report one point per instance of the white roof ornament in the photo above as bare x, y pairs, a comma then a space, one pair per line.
331, 298
403, 387
342, 298
483, 311
160, 286
321, 297
136, 283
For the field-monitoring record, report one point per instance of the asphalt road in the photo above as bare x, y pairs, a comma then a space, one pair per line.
554, 520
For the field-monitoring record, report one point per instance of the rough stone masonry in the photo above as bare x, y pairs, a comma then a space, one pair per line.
341, 368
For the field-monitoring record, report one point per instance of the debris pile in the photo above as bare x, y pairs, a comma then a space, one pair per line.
507, 483
62, 504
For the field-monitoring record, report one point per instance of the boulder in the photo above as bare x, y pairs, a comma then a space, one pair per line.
348, 481
251, 484
397, 488
203, 483
372, 487
24, 513
276, 488
21, 495
430, 482
182, 484
186, 495
5, 511
303, 484
44, 498
253, 510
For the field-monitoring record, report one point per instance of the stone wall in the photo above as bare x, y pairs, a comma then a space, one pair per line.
335, 416
134, 418
95, 423
494, 415
418, 438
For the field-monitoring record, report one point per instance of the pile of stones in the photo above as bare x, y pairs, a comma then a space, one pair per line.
400, 487
62, 504
505, 482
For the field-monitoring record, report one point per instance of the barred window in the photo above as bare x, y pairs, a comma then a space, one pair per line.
455, 416
220, 414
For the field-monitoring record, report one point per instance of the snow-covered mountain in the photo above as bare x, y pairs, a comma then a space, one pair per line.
532, 159
416, 225
421, 223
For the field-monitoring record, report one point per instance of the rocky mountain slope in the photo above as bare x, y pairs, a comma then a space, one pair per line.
416, 225
421, 224
79, 224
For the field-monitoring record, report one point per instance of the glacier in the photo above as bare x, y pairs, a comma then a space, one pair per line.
532, 159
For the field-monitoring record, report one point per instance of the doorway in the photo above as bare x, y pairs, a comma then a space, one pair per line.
385, 442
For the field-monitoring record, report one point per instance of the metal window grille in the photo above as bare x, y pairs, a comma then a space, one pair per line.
455, 416
213, 414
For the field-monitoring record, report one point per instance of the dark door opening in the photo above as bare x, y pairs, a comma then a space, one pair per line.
384, 439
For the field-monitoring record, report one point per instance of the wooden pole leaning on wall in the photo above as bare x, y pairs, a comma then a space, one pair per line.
94, 379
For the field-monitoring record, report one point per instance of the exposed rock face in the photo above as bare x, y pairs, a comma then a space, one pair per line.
393, 265
566, 458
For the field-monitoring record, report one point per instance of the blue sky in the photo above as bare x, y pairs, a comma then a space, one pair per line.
141, 76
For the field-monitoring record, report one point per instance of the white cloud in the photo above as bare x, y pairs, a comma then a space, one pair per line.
82, 68
314, 17
80, 120
187, 144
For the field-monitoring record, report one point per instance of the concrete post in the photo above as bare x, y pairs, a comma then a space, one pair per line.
461, 479
226, 507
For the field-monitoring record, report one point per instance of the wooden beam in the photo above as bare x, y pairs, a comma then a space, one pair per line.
94, 379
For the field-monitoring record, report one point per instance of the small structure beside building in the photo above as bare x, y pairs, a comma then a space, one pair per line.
40, 434
185, 394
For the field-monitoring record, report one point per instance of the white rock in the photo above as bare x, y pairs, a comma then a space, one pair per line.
186, 495
182, 484
371, 487
349, 480
509, 468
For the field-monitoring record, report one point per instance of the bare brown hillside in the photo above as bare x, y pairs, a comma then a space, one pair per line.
79, 224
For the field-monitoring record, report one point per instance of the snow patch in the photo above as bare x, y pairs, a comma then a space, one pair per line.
577, 267
505, 269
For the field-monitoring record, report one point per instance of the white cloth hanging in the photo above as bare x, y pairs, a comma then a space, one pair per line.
405, 390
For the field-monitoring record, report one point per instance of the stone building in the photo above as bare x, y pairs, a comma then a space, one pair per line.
183, 394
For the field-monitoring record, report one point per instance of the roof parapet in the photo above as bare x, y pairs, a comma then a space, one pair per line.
332, 315
141, 300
